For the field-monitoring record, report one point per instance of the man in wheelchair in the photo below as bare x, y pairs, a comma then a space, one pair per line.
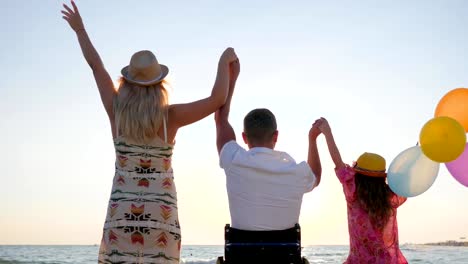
265, 187
247, 247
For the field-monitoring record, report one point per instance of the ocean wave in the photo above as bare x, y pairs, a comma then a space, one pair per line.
209, 254
3, 261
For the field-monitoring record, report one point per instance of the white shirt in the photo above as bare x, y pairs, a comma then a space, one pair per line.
265, 187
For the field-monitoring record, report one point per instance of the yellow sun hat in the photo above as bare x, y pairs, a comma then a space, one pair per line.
370, 164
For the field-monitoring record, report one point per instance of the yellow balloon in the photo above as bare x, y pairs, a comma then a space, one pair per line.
442, 139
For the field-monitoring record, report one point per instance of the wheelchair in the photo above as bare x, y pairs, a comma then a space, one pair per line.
262, 247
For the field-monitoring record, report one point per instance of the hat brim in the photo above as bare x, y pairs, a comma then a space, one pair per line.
378, 174
164, 72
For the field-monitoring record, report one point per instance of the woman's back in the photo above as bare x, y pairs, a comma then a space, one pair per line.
142, 214
137, 158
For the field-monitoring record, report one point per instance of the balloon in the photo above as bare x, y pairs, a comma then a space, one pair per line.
455, 105
412, 173
459, 167
442, 139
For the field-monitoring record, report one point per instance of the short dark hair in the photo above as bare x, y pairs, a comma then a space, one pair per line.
259, 125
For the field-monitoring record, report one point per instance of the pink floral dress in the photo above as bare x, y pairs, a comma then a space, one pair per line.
368, 244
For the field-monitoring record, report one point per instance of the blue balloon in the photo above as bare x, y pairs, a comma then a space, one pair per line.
411, 173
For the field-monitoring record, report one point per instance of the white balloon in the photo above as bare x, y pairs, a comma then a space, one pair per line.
411, 173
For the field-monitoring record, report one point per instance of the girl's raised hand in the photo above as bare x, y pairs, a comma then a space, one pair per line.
315, 131
324, 126
73, 17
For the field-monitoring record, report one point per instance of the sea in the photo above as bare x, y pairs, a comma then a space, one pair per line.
208, 254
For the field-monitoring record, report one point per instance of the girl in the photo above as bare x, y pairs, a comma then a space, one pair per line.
372, 206
142, 224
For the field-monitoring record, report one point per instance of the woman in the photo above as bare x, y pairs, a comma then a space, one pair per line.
142, 223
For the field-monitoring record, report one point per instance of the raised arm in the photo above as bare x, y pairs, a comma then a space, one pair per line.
313, 158
103, 80
184, 114
332, 148
224, 130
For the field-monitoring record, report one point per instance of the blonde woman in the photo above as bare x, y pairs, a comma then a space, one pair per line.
142, 224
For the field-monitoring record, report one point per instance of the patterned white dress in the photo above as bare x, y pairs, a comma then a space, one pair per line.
142, 224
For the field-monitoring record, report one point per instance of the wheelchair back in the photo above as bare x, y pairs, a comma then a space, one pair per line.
278, 247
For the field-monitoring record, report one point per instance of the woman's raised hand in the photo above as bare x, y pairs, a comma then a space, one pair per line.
234, 70
73, 17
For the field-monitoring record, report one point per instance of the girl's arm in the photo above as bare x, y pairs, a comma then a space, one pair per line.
103, 80
184, 114
332, 148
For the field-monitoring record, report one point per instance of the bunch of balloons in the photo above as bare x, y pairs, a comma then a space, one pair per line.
441, 140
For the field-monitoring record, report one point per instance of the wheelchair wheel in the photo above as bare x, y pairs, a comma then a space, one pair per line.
220, 260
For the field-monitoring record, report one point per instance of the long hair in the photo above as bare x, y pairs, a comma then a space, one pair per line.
374, 196
139, 110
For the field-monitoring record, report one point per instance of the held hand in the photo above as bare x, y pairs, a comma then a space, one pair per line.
325, 127
234, 70
73, 17
228, 56
314, 131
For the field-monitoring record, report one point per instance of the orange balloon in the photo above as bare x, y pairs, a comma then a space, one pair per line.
454, 104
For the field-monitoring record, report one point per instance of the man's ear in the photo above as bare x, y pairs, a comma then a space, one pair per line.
244, 137
275, 136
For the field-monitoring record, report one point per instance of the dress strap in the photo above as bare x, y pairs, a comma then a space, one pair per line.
165, 129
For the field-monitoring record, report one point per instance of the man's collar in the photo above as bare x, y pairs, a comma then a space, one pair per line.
261, 150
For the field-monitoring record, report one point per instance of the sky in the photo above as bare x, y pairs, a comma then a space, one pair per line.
375, 69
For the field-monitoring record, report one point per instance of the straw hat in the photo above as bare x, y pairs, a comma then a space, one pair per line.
144, 69
371, 164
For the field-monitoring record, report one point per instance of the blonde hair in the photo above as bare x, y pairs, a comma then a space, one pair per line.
139, 110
